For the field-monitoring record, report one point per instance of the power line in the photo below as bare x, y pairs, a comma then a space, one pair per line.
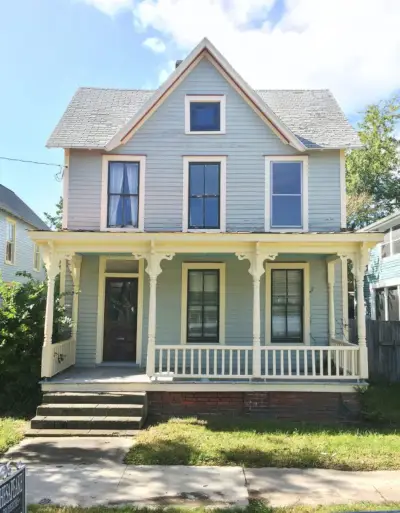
33, 162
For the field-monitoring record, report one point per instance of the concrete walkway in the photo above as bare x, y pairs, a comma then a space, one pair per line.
88, 472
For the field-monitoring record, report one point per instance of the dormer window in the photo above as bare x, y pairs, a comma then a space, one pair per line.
205, 114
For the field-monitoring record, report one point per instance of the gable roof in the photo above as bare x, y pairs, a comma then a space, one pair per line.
13, 205
383, 224
106, 118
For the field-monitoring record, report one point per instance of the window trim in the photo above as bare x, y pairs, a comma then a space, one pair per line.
14, 253
385, 285
203, 266
222, 192
106, 159
221, 99
390, 242
305, 267
269, 160
36, 249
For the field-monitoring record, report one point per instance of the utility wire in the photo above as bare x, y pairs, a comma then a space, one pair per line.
58, 175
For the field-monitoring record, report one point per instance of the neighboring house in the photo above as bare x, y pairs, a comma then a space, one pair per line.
19, 252
205, 228
383, 274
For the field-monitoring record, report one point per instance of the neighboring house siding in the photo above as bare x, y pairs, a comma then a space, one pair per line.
239, 303
23, 251
246, 143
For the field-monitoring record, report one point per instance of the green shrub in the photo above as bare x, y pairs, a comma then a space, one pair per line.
22, 314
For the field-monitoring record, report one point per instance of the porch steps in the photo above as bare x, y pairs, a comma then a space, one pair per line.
89, 414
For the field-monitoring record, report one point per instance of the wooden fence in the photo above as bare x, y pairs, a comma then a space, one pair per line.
383, 340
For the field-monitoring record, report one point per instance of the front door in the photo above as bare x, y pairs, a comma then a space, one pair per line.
120, 320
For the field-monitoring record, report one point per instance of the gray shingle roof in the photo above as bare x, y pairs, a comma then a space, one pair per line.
13, 205
94, 116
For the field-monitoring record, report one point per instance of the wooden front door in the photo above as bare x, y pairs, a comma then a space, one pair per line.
120, 320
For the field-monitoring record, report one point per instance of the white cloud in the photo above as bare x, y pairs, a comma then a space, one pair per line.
155, 44
110, 7
349, 46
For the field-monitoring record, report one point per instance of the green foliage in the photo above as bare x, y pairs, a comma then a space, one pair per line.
21, 338
372, 180
55, 222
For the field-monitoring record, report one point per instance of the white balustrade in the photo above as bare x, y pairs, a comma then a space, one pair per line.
205, 361
63, 355
339, 360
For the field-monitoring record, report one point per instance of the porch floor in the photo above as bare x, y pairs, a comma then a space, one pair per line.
124, 378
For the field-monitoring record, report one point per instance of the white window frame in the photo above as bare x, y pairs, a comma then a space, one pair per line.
221, 99
186, 267
141, 159
269, 160
305, 267
222, 192
36, 252
391, 240
12, 222
385, 285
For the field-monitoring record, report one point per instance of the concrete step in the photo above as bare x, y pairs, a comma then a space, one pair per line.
42, 433
87, 422
95, 397
90, 409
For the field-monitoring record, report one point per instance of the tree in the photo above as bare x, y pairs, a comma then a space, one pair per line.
22, 316
55, 222
372, 172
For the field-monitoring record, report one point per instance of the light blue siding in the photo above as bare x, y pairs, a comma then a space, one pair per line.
246, 143
239, 302
24, 248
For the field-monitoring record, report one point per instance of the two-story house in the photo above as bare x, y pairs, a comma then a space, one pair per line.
205, 230
18, 252
383, 273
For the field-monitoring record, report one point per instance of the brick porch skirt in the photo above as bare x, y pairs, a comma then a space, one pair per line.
290, 406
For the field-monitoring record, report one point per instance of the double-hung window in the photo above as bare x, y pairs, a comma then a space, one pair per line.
391, 242
204, 193
36, 258
123, 193
10, 242
205, 114
287, 194
203, 302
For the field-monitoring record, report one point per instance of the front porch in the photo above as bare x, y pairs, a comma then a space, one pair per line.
244, 355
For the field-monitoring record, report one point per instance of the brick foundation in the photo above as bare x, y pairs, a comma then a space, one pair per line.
290, 406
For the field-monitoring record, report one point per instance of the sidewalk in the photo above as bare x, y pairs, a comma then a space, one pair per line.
89, 472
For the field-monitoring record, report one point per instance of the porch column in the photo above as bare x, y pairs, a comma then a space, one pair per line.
359, 263
153, 269
75, 262
331, 298
52, 263
256, 269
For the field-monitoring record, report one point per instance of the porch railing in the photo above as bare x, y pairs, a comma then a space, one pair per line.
63, 355
333, 362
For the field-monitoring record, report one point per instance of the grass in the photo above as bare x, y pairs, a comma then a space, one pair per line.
381, 403
257, 443
254, 507
11, 432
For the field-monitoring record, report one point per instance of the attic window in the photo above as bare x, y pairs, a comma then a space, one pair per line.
205, 114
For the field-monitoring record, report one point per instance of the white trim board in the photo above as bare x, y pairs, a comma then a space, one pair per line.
269, 160
221, 266
101, 304
141, 159
306, 304
65, 188
343, 214
222, 192
221, 99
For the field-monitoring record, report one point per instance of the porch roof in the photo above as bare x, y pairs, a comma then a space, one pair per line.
203, 242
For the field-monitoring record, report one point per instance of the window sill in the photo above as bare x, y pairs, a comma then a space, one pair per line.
220, 132
286, 230
9, 263
391, 257
204, 230
127, 229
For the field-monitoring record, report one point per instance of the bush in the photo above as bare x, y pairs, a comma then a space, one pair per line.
22, 314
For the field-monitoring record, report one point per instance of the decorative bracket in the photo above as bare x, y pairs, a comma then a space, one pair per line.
153, 258
256, 259
51, 260
74, 264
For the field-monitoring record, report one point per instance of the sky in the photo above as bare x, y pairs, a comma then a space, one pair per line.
49, 48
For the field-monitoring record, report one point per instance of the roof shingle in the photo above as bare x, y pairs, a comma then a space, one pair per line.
95, 115
13, 204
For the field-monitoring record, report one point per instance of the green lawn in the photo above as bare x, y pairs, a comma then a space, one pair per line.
11, 432
254, 507
257, 443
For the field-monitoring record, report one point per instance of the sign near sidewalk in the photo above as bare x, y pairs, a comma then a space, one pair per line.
12, 490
